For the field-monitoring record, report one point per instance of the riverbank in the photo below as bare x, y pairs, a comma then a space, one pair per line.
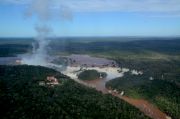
112, 73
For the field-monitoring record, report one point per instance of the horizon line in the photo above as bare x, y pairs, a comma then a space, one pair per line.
96, 36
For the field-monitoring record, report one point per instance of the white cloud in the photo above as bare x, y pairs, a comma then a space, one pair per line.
140, 6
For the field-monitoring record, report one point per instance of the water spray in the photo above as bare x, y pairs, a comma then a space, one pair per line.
44, 11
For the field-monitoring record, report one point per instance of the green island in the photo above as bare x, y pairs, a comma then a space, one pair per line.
91, 75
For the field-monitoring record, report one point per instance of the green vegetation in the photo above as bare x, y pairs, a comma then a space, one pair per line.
9, 50
153, 48
109, 47
159, 69
156, 57
10, 47
162, 93
21, 97
91, 75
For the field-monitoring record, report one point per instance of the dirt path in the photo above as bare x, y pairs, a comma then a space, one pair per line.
143, 105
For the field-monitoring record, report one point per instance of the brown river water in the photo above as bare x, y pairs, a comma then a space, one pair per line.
143, 105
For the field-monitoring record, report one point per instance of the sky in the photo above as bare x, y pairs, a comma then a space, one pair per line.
19, 18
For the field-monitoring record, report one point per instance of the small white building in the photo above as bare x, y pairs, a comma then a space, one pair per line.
151, 78
100, 76
42, 83
135, 72
18, 62
52, 80
115, 91
109, 91
122, 93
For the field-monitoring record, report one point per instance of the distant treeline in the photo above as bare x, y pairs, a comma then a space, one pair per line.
161, 46
9, 50
80, 45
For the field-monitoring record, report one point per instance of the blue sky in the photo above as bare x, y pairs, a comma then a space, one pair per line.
18, 18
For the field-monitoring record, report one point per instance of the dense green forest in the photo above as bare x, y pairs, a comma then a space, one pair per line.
9, 50
116, 47
91, 75
159, 69
163, 93
139, 46
21, 97
158, 58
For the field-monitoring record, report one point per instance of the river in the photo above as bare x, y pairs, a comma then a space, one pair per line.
99, 84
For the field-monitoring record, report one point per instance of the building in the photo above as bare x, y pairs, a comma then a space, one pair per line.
51, 80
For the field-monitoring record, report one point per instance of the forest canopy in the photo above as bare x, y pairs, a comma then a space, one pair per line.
21, 97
